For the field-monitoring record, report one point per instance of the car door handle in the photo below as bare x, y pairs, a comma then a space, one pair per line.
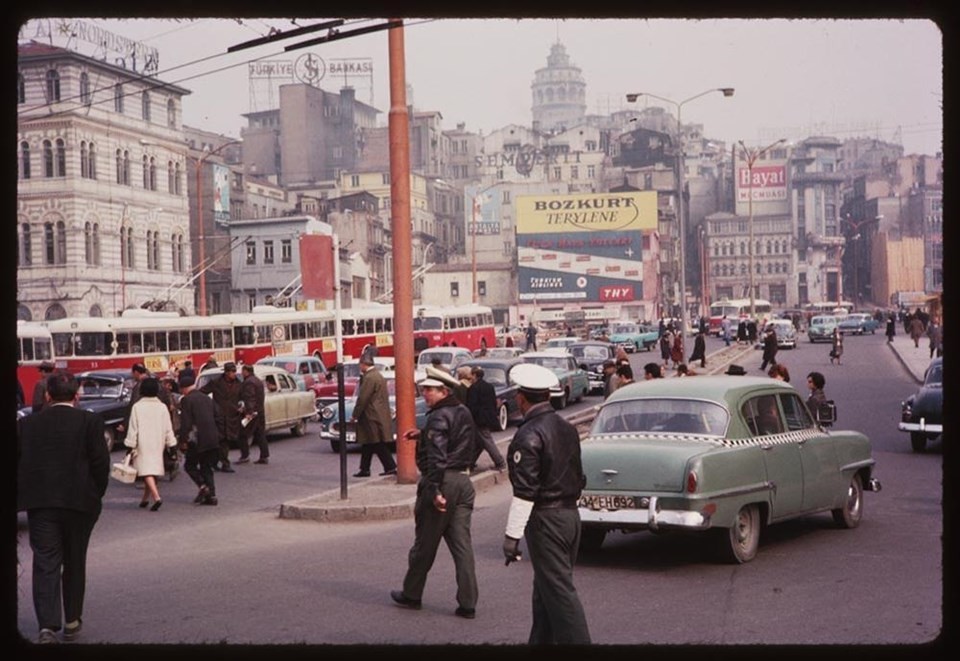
610, 472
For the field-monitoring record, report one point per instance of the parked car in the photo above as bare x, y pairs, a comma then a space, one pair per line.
496, 372
633, 337
309, 372
786, 333
107, 394
858, 323
327, 392
450, 359
574, 382
590, 357
922, 413
503, 352
286, 406
821, 328
720, 455
330, 417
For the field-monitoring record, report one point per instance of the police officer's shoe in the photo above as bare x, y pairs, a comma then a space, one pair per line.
403, 600
468, 613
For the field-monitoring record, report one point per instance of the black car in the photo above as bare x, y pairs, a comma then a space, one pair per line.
922, 413
496, 372
107, 393
591, 355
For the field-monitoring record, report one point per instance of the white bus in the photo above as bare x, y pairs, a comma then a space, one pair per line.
735, 309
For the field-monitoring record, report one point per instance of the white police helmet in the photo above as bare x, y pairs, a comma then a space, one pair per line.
534, 378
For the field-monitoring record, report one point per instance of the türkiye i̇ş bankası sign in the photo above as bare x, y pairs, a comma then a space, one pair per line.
585, 248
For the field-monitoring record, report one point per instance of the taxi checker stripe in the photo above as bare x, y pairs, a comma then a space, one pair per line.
772, 439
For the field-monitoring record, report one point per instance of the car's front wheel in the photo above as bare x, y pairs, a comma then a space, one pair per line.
738, 543
850, 514
918, 441
503, 417
110, 437
300, 428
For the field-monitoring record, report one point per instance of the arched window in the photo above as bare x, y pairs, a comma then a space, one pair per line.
53, 86
131, 262
54, 311
95, 311
716, 250
743, 248
146, 173
47, 158
743, 269
96, 244
21, 89
153, 174
23, 313
716, 270
769, 269
171, 186
84, 160
171, 113
60, 164
769, 248
177, 179
119, 166
180, 266
118, 98
92, 158
724, 250
85, 97
26, 245
156, 251
149, 250
145, 102
61, 242
25, 159
758, 269
126, 167
88, 243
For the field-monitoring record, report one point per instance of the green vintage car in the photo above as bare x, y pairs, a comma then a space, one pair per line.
633, 337
821, 328
719, 454
574, 382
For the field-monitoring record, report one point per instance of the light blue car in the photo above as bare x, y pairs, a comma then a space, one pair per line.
574, 382
633, 337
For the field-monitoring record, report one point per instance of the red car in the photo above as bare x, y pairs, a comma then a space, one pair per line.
327, 391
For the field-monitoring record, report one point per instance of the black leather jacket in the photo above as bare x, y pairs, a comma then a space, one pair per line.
446, 441
544, 459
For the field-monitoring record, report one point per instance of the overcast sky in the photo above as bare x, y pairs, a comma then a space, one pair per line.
793, 78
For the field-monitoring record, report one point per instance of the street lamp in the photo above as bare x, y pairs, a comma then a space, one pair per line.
751, 156
681, 226
200, 236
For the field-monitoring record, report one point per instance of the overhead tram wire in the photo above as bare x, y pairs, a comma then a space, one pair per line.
286, 35
158, 84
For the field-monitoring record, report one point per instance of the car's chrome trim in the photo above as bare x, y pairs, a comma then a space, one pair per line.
921, 426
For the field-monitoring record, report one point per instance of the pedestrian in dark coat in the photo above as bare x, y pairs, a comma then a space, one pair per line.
916, 330
699, 349
199, 439
891, 328
769, 349
62, 471
39, 398
676, 351
226, 396
371, 414
666, 346
531, 334
742, 331
253, 397
752, 331
482, 402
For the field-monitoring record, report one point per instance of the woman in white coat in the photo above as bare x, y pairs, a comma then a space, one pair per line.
150, 431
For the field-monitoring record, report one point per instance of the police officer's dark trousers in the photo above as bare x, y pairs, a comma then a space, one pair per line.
453, 526
553, 537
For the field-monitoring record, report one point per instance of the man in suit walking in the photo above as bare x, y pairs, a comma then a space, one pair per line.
199, 439
371, 414
62, 473
482, 402
253, 397
226, 396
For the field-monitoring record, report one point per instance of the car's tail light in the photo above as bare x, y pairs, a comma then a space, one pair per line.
692, 482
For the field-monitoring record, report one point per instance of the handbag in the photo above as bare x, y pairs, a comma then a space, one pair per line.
123, 471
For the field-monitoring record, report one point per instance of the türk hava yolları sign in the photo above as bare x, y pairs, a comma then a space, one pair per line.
586, 212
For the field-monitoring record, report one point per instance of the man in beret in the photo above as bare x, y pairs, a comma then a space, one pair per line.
226, 396
547, 478
445, 498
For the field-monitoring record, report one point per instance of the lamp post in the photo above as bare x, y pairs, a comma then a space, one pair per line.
751, 156
681, 225
200, 236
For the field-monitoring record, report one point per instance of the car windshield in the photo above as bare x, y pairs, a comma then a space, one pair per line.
934, 376
679, 416
823, 321
590, 352
624, 329
92, 387
549, 362
427, 358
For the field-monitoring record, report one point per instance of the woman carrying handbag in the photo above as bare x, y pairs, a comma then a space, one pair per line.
149, 433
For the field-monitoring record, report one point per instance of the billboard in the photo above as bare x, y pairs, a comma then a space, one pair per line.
221, 192
482, 210
583, 248
765, 187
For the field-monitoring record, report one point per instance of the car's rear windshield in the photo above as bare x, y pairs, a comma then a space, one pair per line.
934, 375
678, 416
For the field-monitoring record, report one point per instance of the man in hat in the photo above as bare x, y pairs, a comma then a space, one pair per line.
445, 498
610, 379
226, 397
199, 439
40, 389
371, 414
547, 478
253, 399
139, 373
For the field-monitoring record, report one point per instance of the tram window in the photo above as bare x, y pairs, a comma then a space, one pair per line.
184, 340
264, 333
93, 344
243, 335
63, 344
226, 338
207, 336
123, 343
195, 340
26, 348
149, 341
174, 341
348, 327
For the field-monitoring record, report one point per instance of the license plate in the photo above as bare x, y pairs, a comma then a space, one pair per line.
351, 437
609, 503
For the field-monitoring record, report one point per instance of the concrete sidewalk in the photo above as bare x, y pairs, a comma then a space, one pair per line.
914, 359
380, 499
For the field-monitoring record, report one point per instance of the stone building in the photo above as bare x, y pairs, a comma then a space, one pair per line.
559, 92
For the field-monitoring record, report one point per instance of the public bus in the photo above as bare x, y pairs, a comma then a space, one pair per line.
827, 307
158, 340
467, 326
34, 346
736, 309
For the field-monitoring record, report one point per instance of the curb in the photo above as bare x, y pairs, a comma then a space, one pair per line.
906, 365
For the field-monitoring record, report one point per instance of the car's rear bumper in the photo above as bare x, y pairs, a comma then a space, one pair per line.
652, 517
922, 426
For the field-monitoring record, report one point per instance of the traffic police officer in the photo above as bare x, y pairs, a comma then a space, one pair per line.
547, 477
